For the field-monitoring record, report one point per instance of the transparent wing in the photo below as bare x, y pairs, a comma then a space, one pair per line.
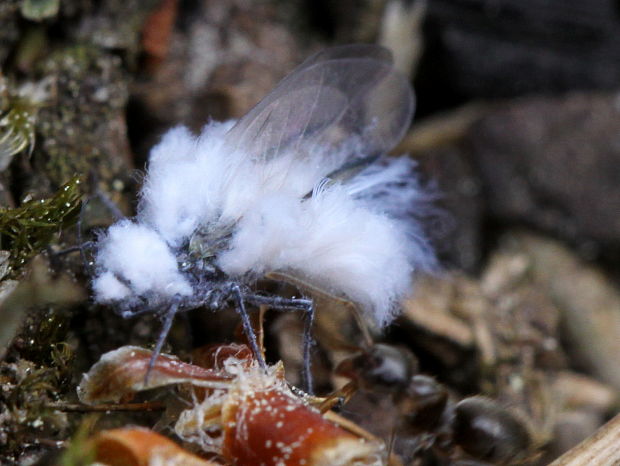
342, 94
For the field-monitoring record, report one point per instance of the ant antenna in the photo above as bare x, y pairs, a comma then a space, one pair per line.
165, 330
247, 326
368, 341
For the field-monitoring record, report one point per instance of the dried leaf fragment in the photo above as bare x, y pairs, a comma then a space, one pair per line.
121, 373
588, 300
601, 448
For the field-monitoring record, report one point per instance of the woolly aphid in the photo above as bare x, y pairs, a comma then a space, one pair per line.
299, 185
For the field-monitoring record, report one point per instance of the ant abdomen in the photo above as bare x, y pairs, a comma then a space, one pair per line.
476, 427
489, 432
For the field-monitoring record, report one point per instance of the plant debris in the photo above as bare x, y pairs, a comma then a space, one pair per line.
28, 229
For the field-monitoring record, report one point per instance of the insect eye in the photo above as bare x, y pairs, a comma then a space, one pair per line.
389, 367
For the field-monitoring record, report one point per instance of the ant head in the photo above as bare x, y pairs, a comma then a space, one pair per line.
380, 368
424, 402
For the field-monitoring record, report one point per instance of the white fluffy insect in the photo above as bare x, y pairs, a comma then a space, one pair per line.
299, 185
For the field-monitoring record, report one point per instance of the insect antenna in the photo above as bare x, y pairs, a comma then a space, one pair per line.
82, 245
97, 193
109, 204
55, 256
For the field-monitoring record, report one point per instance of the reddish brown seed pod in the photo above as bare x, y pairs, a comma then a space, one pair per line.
248, 415
271, 427
259, 419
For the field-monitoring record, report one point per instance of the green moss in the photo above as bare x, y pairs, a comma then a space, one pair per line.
17, 132
27, 230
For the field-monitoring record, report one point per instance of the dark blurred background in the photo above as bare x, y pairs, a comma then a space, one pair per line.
517, 130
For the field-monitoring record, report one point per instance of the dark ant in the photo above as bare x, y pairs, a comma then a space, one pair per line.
478, 426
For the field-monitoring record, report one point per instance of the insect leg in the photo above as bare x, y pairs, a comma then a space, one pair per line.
169, 317
307, 372
247, 326
279, 303
303, 304
131, 313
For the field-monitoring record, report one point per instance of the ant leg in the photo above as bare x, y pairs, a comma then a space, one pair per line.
165, 330
247, 326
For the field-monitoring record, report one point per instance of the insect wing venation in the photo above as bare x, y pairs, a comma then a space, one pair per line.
347, 99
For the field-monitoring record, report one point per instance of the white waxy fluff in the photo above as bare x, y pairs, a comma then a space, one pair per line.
109, 288
352, 239
144, 261
195, 181
332, 241
246, 183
